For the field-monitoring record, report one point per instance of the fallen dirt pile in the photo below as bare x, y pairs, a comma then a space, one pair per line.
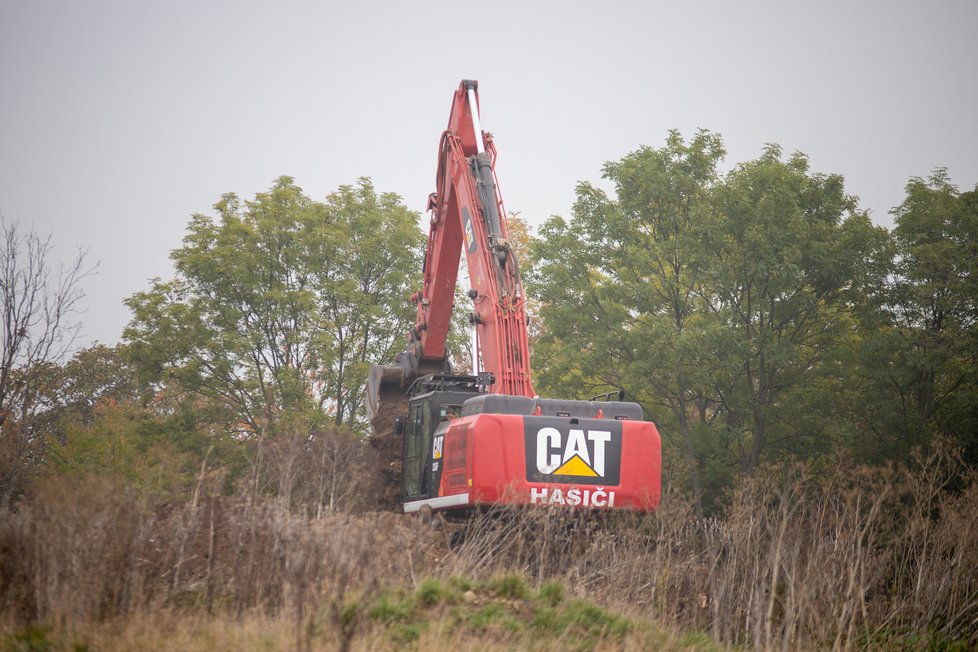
386, 401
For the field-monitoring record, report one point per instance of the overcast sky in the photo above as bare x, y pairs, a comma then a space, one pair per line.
119, 119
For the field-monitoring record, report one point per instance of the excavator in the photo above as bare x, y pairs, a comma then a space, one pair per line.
469, 441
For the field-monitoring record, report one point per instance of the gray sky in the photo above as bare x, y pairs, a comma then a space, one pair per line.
119, 119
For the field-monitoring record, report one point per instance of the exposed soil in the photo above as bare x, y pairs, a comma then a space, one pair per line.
386, 446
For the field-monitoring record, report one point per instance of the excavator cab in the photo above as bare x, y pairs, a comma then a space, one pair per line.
435, 401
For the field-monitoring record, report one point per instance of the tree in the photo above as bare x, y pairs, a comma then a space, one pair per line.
280, 305
789, 257
99, 419
723, 305
368, 305
920, 369
621, 291
70, 395
38, 304
520, 239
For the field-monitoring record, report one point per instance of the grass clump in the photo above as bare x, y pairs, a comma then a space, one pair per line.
511, 586
491, 616
588, 618
583, 622
36, 638
391, 607
32, 639
551, 593
405, 633
432, 592
545, 620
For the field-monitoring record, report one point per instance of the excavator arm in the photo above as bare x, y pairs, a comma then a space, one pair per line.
466, 215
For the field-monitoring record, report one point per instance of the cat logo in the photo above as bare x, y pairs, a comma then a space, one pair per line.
558, 451
468, 231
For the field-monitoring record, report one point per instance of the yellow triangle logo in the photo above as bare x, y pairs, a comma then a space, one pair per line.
575, 466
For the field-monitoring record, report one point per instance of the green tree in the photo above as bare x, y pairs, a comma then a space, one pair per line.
920, 368
99, 419
724, 305
281, 304
621, 294
70, 392
790, 256
368, 304
156, 453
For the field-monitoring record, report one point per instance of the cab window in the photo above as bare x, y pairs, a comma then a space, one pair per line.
413, 450
449, 412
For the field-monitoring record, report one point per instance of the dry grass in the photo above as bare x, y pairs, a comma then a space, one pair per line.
86, 551
862, 558
178, 632
858, 559
439, 614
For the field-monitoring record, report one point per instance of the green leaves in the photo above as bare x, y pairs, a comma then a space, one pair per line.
919, 365
281, 303
786, 247
720, 303
620, 286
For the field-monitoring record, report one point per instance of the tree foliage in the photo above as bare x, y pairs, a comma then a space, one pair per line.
919, 361
788, 256
621, 283
711, 300
280, 304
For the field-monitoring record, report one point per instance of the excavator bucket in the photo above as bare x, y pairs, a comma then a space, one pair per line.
386, 400
386, 397
387, 387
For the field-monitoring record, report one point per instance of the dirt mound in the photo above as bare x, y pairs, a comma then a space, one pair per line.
387, 401
376, 476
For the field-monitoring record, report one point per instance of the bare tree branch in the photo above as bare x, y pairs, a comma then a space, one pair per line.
39, 303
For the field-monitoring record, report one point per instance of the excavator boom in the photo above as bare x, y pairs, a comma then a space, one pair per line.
466, 215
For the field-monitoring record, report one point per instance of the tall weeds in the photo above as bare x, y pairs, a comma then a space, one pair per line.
861, 558
857, 558
85, 549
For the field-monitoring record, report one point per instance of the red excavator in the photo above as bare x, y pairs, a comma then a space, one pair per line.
471, 440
